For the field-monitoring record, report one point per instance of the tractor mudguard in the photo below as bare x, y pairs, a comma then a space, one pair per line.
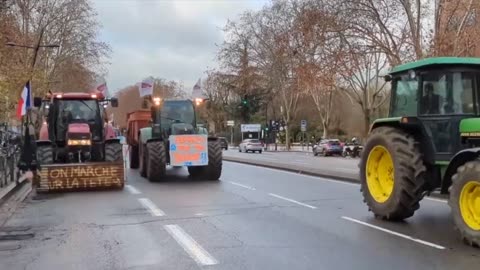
413, 126
145, 135
107, 141
458, 160
212, 138
43, 142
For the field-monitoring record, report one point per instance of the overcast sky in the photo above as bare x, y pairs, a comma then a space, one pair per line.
171, 39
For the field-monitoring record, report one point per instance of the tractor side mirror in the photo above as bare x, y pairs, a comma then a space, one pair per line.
114, 102
37, 102
387, 78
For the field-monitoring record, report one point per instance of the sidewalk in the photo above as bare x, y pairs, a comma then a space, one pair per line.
283, 148
341, 169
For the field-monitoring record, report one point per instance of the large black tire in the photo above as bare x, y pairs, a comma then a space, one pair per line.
156, 161
408, 174
45, 154
142, 158
213, 170
466, 174
133, 156
113, 152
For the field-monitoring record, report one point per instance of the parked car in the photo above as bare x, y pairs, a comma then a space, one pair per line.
223, 142
250, 145
327, 147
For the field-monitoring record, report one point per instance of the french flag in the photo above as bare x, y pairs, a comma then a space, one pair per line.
25, 101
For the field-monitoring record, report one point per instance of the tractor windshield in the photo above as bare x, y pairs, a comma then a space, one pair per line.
447, 93
69, 111
404, 96
79, 109
180, 111
441, 93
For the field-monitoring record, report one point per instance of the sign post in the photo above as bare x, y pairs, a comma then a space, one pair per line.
303, 127
231, 123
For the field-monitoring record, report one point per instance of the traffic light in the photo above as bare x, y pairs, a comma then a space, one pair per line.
245, 100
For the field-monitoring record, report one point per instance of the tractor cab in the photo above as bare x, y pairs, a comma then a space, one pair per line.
433, 96
430, 142
74, 125
173, 117
174, 139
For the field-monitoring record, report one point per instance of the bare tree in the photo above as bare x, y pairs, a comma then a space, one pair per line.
361, 79
456, 28
319, 51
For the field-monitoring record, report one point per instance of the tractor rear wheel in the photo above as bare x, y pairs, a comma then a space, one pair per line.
113, 152
156, 161
133, 156
465, 202
392, 174
214, 168
44, 154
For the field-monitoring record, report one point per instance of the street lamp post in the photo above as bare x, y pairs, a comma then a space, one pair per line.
36, 48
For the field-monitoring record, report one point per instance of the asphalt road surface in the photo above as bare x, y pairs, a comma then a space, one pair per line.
254, 218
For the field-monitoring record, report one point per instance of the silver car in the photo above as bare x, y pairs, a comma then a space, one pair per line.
250, 145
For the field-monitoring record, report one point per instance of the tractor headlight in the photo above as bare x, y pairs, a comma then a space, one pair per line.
79, 142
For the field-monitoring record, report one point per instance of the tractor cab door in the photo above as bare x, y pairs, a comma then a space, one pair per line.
445, 98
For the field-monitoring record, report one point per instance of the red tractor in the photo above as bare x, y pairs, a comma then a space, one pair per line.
77, 148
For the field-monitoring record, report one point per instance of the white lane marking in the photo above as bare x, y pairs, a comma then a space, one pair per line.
133, 190
323, 179
240, 185
151, 207
291, 200
200, 255
436, 200
394, 233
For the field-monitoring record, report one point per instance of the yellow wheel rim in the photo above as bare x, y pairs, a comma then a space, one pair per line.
470, 204
380, 173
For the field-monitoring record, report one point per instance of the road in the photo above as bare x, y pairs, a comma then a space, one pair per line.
254, 218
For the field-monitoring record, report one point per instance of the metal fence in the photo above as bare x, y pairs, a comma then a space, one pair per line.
10, 145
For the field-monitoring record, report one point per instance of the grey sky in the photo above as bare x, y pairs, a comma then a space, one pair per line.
170, 39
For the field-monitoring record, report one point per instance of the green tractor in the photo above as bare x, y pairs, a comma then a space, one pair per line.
431, 141
173, 138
